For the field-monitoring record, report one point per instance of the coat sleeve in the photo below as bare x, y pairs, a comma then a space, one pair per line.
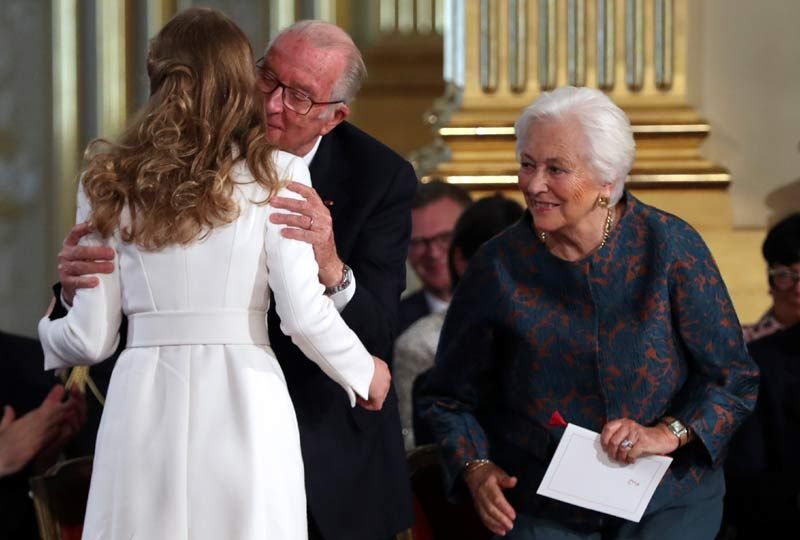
379, 264
721, 389
307, 315
89, 333
464, 371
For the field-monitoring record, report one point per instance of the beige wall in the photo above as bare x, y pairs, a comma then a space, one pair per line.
744, 78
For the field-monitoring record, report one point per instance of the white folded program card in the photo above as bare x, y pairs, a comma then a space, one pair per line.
581, 473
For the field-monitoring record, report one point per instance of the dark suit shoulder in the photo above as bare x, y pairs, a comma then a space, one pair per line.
23, 380
784, 344
363, 146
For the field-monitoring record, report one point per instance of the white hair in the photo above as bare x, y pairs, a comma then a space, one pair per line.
611, 148
324, 35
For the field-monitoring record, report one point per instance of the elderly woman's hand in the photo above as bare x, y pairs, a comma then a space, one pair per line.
486, 483
625, 440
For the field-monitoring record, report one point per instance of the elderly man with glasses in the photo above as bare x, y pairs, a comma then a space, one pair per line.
358, 219
781, 250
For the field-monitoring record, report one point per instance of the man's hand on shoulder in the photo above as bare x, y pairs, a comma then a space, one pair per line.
76, 263
310, 221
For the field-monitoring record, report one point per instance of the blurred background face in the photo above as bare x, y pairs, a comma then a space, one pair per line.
785, 291
431, 233
558, 186
294, 62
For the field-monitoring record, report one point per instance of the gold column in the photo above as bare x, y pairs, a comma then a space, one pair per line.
66, 145
159, 12
281, 14
635, 50
112, 67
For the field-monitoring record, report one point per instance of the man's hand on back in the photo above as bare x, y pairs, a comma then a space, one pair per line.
311, 222
76, 263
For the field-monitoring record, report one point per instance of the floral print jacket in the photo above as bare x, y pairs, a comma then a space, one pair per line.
641, 328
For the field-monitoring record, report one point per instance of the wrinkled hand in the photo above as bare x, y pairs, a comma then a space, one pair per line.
311, 222
379, 387
647, 441
486, 484
76, 263
74, 419
47, 427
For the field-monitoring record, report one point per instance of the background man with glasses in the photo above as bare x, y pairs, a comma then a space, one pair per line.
781, 250
434, 212
358, 211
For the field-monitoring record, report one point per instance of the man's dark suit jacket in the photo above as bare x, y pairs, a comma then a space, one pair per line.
762, 471
356, 478
412, 308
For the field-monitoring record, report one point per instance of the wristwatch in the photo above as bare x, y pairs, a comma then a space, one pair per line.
347, 279
677, 428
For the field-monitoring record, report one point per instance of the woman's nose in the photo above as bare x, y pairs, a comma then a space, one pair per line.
532, 182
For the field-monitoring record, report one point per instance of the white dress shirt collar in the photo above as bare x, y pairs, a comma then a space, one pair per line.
436, 305
311, 153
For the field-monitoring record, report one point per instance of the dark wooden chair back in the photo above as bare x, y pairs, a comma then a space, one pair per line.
59, 497
436, 517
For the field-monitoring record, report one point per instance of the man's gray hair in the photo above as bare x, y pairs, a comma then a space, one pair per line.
324, 35
611, 148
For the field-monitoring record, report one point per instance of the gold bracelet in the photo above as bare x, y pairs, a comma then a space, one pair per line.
473, 464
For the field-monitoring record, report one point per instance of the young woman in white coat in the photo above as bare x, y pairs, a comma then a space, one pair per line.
199, 438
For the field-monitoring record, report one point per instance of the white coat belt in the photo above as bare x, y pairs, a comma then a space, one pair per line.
218, 327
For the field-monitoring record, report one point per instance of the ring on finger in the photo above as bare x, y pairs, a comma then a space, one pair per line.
310, 221
627, 444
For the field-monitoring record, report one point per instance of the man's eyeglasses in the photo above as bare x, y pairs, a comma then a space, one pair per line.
293, 99
441, 241
784, 279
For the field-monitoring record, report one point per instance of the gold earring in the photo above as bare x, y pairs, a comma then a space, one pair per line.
602, 201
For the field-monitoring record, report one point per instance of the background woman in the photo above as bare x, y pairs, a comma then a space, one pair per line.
595, 309
199, 437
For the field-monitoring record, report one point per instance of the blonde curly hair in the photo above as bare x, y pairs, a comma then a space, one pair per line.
172, 165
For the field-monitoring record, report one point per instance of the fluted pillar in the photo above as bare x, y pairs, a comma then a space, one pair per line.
501, 54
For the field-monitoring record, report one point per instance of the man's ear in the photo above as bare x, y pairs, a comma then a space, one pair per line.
341, 112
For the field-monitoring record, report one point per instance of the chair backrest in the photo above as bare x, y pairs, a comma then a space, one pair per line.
59, 497
436, 518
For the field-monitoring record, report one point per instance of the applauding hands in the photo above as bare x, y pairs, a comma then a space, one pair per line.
41, 433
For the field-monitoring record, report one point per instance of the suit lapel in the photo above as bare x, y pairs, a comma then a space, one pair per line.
329, 177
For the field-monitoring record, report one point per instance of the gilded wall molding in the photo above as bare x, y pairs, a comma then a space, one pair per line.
489, 45
548, 47
634, 50
518, 45
634, 44
606, 39
576, 42
663, 43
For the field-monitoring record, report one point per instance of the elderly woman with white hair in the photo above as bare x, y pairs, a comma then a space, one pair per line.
594, 309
